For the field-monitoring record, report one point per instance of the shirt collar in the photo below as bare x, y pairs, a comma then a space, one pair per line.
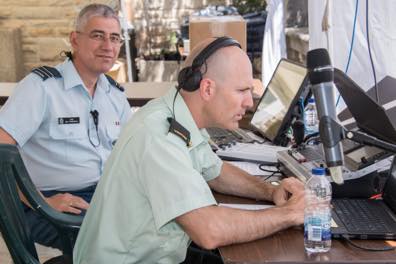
72, 78
184, 117
70, 75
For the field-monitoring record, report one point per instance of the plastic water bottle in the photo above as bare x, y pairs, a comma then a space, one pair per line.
317, 213
311, 117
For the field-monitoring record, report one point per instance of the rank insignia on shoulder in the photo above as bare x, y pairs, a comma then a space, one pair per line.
180, 131
46, 72
114, 83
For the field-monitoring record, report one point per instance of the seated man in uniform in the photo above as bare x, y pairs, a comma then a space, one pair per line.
155, 195
66, 119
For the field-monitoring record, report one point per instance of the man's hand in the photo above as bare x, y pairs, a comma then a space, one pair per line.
290, 195
286, 189
66, 202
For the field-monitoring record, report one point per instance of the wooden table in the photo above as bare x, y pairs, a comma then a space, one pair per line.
288, 247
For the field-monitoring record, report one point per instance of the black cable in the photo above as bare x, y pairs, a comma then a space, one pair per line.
268, 163
273, 172
369, 50
310, 137
385, 248
173, 104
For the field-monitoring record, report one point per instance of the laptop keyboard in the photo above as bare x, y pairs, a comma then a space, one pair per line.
361, 215
222, 136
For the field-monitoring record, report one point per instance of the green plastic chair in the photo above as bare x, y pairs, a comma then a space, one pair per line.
13, 226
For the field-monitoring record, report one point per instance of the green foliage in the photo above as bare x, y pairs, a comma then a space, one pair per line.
249, 6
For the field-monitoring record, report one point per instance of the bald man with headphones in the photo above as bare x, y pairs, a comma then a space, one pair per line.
155, 195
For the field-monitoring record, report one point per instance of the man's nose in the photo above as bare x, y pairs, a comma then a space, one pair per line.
107, 44
248, 102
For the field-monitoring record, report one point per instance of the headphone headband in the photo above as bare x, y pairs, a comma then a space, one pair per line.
215, 45
190, 77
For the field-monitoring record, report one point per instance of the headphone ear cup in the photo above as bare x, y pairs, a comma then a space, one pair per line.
189, 79
182, 77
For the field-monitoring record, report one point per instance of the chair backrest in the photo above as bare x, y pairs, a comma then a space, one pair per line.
13, 173
13, 226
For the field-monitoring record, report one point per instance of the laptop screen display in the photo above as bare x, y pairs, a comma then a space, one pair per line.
273, 113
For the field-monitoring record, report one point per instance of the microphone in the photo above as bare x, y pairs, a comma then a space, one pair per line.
321, 77
95, 117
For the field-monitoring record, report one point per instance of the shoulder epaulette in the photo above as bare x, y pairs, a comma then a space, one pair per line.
46, 72
180, 131
114, 83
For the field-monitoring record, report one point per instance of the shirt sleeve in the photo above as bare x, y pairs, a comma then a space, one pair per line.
211, 163
24, 110
171, 183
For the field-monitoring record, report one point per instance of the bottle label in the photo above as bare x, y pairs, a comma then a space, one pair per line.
317, 228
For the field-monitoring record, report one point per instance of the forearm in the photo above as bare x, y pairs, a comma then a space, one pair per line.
237, 182
24, 199
242, 226
220, 226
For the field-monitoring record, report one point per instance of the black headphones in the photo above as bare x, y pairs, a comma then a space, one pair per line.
189, 78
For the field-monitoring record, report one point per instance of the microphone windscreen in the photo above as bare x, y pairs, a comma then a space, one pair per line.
317, 58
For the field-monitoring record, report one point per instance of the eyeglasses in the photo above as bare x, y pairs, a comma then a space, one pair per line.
95, 117
100, 36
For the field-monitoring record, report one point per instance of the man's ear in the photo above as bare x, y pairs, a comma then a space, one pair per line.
207, 89
73, 39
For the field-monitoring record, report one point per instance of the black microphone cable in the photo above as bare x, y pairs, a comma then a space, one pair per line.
385, 248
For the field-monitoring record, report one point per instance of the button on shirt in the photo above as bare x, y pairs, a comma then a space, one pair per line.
50, 120
151, 178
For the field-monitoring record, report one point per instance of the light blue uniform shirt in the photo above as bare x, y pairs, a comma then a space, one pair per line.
50, 120
151, 178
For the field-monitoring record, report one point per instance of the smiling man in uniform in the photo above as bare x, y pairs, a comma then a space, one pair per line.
66, 119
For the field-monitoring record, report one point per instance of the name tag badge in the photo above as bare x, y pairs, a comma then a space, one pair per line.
68, 120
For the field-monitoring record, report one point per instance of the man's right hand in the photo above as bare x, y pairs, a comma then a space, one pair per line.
295, 205
66, 202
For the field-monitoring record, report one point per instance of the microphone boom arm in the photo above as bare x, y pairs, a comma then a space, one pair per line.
356, 136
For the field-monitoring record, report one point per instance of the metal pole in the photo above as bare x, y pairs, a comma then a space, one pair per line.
125, 27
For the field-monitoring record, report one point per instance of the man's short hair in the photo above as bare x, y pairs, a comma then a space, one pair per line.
93, 10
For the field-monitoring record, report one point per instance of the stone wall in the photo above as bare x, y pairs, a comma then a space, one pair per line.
156, 20
44, 27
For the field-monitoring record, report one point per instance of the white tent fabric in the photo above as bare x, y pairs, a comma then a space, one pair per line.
274, 42
331, 27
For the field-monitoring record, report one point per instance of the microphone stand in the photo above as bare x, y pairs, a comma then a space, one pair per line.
326, 123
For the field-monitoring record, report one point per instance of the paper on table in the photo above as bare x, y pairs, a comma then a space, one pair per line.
250, 152
247, 206
252, 168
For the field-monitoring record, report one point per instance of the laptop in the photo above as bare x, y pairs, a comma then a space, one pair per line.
274, 113
367, 218
370, 116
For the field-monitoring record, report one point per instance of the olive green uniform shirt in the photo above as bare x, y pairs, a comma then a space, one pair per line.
151, 178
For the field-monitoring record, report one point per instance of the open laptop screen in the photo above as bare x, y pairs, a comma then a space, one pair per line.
274, 111
369, 115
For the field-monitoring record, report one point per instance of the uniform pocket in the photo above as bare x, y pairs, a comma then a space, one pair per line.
112, 132
67, 132
70, 141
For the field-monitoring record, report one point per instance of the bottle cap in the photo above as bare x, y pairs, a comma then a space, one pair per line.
318, 171
311, 100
